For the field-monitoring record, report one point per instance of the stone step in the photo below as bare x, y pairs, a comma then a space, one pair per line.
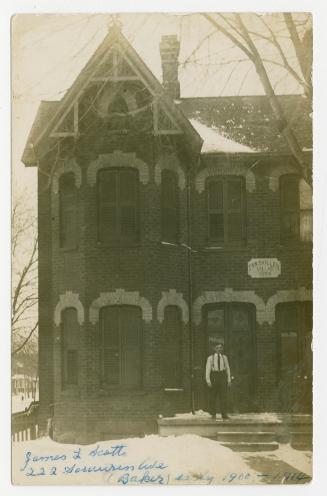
302, 446
255, 446
301, 440
246, 436
301, 437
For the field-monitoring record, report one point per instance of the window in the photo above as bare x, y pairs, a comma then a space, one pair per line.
296, 209
118, 206
294, 322
169, 206
172, 348
68, 211
121, 340
226, 210
69, 340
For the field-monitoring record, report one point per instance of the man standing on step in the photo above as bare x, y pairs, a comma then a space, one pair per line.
218, 378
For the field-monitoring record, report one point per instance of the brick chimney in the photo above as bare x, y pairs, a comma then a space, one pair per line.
169, 51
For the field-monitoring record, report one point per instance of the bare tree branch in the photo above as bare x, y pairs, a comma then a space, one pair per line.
228, 35
28, 337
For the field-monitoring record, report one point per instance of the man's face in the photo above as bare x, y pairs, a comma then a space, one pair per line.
219, 348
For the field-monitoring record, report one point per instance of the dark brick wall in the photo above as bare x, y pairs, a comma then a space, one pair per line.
87, 412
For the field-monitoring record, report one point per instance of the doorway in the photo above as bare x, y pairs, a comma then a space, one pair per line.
233, 324
294, 325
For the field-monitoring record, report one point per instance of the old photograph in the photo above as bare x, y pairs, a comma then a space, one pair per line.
162, 248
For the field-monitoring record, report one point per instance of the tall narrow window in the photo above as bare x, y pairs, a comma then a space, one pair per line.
172, 348
69, 339
290, 214
305, 211
121, 346
169, 206
226, 210
68, 211
296, 209
118, 206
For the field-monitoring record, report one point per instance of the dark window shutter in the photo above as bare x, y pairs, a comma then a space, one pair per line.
118, 205
108, 205
215, 210
128, 196
70, 342
68, 210
109, 322
121, 346
235, 209
172, 348
287, 318
169, 206
71, 360
130, 325
226, 209
290, 208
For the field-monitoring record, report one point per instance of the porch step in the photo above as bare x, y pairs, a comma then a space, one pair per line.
301, 440
248, 446
246, 436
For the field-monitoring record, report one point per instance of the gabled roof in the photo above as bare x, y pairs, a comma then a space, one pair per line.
50, 113
234, 124
247, 121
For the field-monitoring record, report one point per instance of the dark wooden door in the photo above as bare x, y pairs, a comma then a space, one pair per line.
294, 323
234, 326
121, 346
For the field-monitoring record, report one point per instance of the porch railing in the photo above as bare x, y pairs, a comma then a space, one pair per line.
24, 425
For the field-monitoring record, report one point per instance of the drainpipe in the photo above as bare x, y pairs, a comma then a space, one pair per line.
190, 288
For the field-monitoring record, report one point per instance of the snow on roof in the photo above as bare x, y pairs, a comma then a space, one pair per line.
214, 142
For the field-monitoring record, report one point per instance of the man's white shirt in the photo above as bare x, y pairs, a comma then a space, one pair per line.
214, 365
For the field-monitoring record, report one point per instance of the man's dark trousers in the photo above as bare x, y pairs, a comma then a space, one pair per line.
218, 388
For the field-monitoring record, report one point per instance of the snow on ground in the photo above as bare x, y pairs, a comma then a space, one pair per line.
19, 402
301, 460
187, 459
214, 142
259, 417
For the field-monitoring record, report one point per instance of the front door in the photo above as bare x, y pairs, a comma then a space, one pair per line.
294, 324
234, 326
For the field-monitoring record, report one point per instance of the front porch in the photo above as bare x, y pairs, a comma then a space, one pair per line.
244, 432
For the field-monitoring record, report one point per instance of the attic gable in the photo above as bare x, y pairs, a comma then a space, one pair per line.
118, 89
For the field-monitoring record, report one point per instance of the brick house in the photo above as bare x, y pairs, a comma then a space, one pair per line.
166, 225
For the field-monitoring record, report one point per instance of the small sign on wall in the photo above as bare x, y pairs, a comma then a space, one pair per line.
264, 268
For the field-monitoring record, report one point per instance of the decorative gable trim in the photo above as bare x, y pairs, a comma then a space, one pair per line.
43, 140
173, 298
117, 159
69, 300
120, 297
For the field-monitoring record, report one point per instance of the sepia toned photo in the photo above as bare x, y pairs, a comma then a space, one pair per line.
162, 248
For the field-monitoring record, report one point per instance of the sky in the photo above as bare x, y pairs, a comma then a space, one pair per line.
49, 51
